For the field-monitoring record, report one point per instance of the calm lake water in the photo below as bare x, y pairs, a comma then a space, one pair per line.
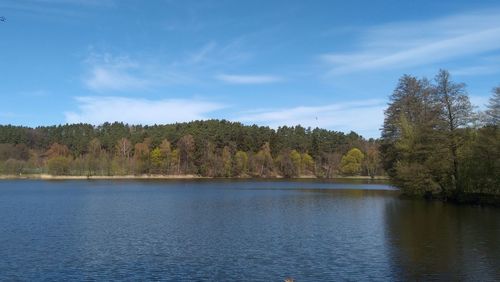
239, 231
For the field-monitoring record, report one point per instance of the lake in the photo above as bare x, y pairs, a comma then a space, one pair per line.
239, 230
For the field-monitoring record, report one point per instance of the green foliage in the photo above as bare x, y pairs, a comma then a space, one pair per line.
241, 163
13, 167
351, 162
59, 165
263, 161
209, 148
227, 162
307, 163
287, 165
296, 159
428, 146
157, 160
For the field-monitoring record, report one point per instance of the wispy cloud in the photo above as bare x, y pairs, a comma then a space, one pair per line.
214, 55
364, 117
55, 9
97, 110
410, 44
111, 73
248, 79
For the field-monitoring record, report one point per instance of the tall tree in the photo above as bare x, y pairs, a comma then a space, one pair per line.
240, 163
166, 155
493, 111
227, 161
141, 157
123, 148
93, 159
372, 160
264, 161
456, 113
408, 134
186, 147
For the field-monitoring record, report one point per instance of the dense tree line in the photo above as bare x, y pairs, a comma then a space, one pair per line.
434, 143
214, 148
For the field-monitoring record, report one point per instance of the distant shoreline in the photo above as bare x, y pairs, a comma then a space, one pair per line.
153, 176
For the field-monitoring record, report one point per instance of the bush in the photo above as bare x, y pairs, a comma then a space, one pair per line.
59, 166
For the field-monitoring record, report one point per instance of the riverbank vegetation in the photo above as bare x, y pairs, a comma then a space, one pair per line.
434, 143
213, 148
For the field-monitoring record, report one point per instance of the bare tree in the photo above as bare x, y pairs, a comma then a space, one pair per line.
493, 111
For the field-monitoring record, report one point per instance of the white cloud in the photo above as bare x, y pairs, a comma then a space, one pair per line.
111, 73
248, 79
55, 9
364, 117
108, 72
201, 55
410, 44
109, 78
97, 110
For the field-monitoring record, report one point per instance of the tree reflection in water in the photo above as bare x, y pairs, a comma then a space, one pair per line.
435, 240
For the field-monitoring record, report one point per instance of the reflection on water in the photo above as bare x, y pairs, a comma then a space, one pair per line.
434, 240
238, 230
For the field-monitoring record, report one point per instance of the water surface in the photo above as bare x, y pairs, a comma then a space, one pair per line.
239, 230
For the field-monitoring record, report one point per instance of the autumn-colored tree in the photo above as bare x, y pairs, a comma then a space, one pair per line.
94, 148
209, 163
141, 157
331, 164
372, 159
264, 161
285, 163
166, 154
57, 150
186, 146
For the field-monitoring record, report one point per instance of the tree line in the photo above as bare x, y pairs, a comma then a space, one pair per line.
213, 148
435, 144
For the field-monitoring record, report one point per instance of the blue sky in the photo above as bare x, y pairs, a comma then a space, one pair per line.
330, 64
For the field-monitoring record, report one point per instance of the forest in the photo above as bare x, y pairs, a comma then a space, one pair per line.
212, 148
434, 143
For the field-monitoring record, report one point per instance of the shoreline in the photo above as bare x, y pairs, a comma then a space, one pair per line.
167, 177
